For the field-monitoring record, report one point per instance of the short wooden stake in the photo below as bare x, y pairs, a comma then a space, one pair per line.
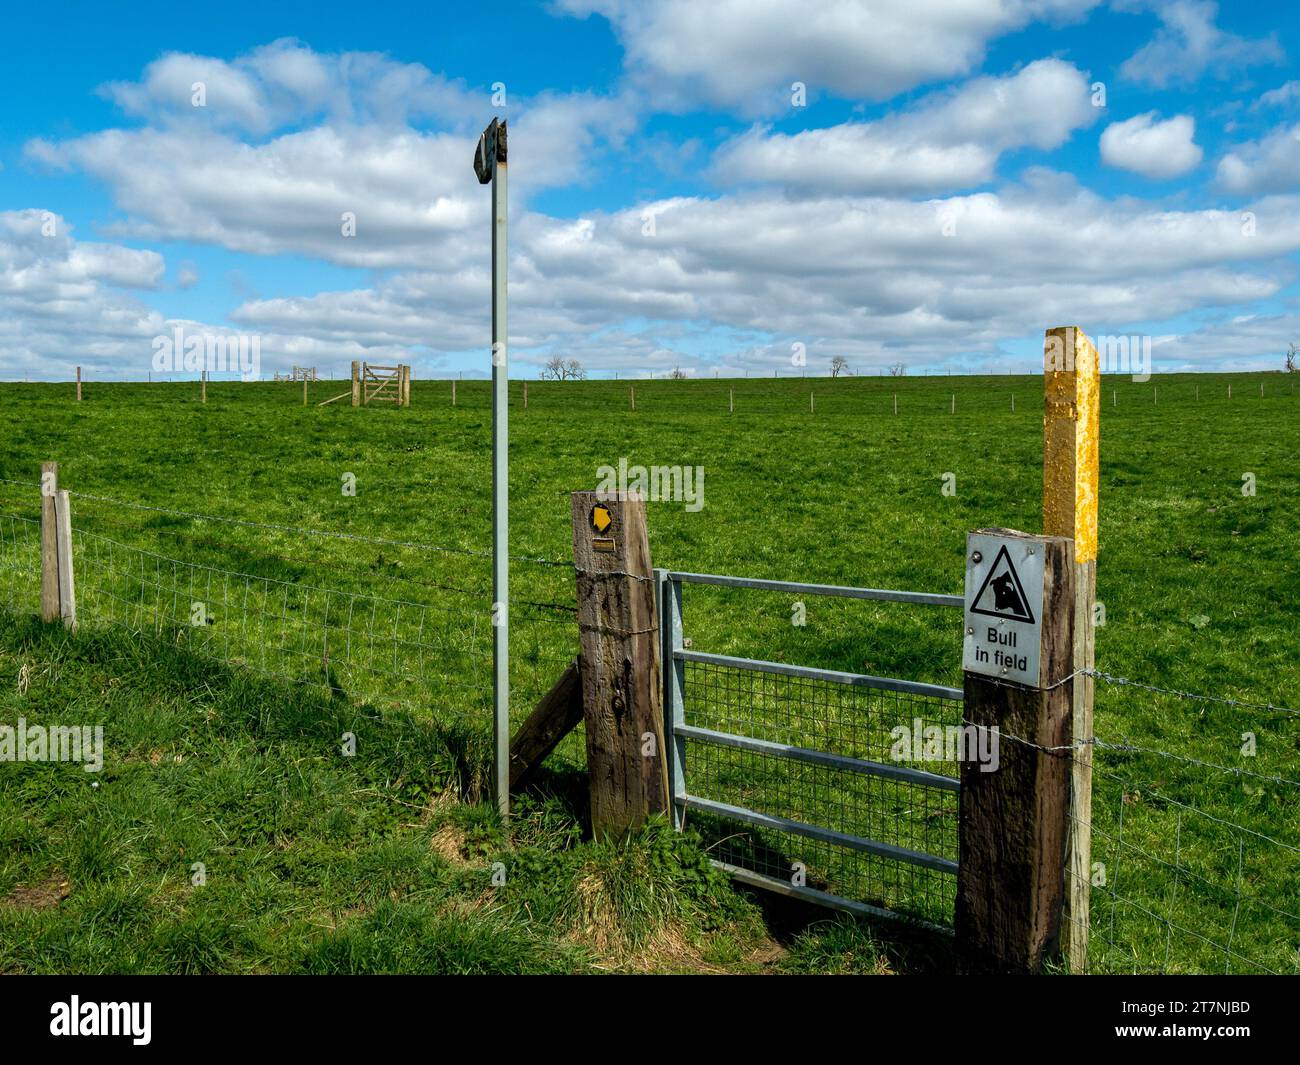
203, 387
49, 541
1013, 403
731, 401
812, 404
1071, 478
631, 397
304, 391
953, 408
453, 392
1013, 823
356, 383
618, 626
895, 402
1261, 392
525, 395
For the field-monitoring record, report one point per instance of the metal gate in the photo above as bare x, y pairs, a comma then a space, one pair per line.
786, 770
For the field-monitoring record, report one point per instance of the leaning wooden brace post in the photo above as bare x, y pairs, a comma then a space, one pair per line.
619, 661
49, 542
553, 718
1015, 777
1071, 432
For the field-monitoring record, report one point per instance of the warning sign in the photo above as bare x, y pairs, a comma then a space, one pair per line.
1004, 605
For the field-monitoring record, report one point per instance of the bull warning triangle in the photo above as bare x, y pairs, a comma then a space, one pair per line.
1002, 595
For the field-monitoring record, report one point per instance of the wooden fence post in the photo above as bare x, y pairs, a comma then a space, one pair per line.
453, 392
304, 391
631, 397
79, 384
618, 625
731, 401
49, 542
1071, 437
203, 388
525, 395
63, 542
1014, 817
356, 383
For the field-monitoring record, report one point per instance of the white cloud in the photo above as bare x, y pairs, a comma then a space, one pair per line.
1268, 165
949, 140
1189, 45
1283, 96
744, 54
1151, 147
870, 278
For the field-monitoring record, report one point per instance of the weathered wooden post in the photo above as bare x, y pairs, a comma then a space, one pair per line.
631, 397
453, 391
79, 384
1071, 440
356, 383
525, 395
619, 661
203, 387
49, 542
1015, 806
63, 544
304, 391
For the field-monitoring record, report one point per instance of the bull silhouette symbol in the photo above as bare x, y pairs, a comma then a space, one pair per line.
1005, 596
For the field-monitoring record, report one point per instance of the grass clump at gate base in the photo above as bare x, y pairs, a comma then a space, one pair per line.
312, 861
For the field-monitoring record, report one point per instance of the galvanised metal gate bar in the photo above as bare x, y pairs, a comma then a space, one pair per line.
801, 757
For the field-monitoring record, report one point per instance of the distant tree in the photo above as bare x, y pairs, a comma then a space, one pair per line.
899, 369
839, 365
1291, 354
558, 368
678, 374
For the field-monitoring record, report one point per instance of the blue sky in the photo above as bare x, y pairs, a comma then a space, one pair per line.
953, 177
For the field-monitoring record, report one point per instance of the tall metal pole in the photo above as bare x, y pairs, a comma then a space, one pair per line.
490, 165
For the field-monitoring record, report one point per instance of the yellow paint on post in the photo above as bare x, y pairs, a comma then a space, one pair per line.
1071, 429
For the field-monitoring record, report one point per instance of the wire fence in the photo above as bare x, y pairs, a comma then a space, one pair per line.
396, 623
1196, 809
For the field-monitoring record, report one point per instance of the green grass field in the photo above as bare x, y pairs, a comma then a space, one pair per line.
223, 737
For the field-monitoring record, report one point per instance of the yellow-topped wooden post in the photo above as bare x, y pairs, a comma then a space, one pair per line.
1071, 432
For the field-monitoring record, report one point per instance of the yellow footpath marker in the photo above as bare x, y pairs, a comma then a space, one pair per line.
1071, 431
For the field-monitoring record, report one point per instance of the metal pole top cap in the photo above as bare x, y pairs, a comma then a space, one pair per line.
490, 151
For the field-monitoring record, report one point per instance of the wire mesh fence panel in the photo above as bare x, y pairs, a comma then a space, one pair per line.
838, 719
363, 646
1195, 843
20, 563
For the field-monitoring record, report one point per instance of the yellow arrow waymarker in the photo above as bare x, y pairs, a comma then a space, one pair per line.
601, 518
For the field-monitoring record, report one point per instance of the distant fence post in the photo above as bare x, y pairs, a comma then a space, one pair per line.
203, 388
1071, 437
79, 384
356, 383
49, 542
453, 392
1013, 817
618, 624
525, 395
